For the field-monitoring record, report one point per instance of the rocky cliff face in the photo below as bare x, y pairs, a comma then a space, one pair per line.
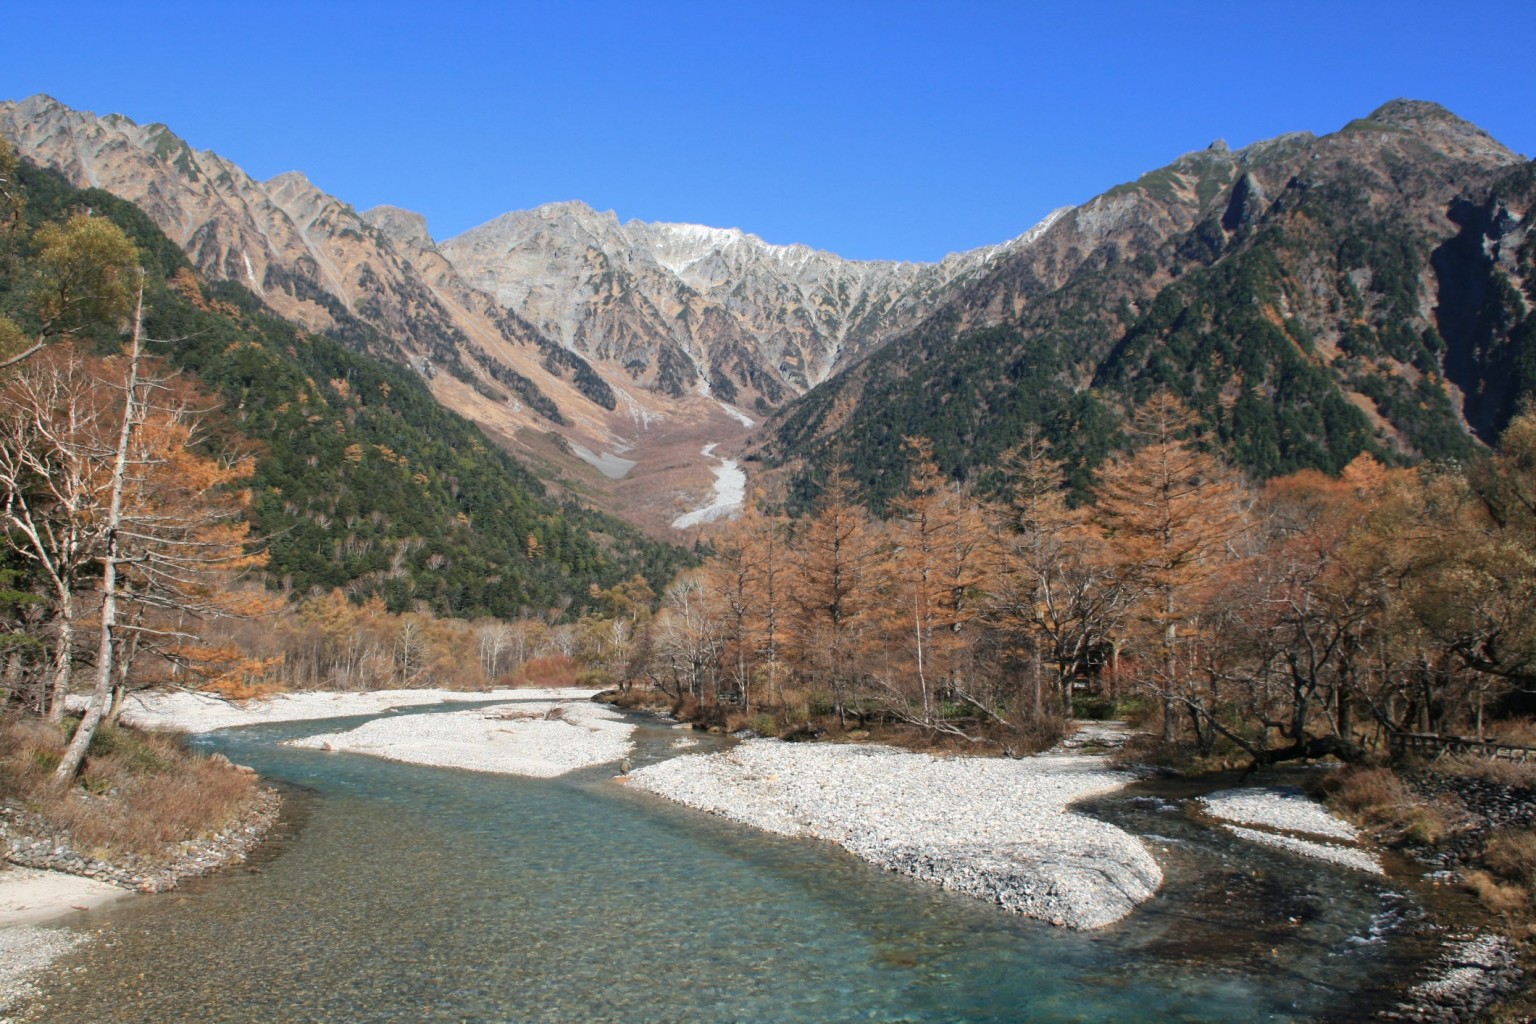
689, 308
374, 280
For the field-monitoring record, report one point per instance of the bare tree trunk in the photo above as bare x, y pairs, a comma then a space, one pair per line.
1039, 695
922, 669
63, 656
127, 649
74, 754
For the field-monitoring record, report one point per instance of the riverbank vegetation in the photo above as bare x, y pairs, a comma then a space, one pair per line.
1311, 616
139, 793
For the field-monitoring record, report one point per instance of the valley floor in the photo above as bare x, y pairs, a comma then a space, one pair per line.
999, 829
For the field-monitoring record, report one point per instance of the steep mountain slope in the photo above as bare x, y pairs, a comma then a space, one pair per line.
643, 331
1314, 297
363, 481
1311, 297
684, 307
374, 281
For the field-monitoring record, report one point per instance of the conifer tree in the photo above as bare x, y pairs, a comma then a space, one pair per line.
1170, 510
1059, 592
835, 556
937, 560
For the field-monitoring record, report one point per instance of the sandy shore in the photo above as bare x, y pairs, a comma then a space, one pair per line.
29, 898
539, 739
998, 829
201, 712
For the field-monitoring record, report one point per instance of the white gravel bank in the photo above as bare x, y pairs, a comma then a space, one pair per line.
537, 739
1286, 808
993, 828
201, 712
1290, 811
1348, 856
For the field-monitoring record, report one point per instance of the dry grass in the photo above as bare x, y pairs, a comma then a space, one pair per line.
1378, 799
1501, 898
137, 792
1515, 732
1512, 854
1514, 774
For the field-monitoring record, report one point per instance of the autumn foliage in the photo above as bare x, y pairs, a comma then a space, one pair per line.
1312, 616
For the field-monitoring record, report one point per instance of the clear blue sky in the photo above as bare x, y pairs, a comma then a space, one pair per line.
876, 130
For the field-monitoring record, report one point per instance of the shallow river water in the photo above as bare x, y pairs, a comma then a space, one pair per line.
402, 893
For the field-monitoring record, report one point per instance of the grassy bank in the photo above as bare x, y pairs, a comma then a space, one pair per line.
140, 798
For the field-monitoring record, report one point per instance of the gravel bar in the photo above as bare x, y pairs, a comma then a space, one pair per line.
997, 829
539, 739
1278, 807
1348, 856
203, 712
1288, 819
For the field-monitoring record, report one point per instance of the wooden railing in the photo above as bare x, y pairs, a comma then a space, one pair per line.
1434, 746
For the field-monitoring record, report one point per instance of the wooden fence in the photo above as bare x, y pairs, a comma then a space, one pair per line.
1433, 746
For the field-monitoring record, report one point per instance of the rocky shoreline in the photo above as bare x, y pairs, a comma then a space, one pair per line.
29, 843
26, 949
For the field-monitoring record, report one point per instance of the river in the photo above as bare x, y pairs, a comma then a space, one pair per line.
403, 893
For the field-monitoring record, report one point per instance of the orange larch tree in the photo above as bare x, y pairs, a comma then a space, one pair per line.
835, 602
1059, 597
1171, 512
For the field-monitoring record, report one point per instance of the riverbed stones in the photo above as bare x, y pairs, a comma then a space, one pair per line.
1287, 819
537, 739
997, 829
24, 952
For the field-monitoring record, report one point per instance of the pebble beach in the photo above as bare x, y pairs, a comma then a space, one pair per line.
998, 829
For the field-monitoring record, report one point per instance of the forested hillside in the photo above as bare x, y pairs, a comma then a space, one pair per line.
1311, 298
362, 480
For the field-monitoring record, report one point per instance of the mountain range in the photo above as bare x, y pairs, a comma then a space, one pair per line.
1312, 297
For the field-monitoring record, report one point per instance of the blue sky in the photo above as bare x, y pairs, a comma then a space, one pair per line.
877, 130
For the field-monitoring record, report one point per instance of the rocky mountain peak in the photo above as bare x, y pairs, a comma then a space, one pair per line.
400, 226
41, 105
1442, 129
296, 180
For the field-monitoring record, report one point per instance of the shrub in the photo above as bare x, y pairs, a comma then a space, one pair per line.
137, 793
1036, 733
1512, 854
595, 678
1497, 896
550, 670
1377, 797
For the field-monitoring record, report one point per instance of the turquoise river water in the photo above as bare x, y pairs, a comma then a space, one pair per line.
402, 894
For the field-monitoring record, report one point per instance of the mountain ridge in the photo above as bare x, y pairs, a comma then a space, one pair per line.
1298, 292
632, 343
